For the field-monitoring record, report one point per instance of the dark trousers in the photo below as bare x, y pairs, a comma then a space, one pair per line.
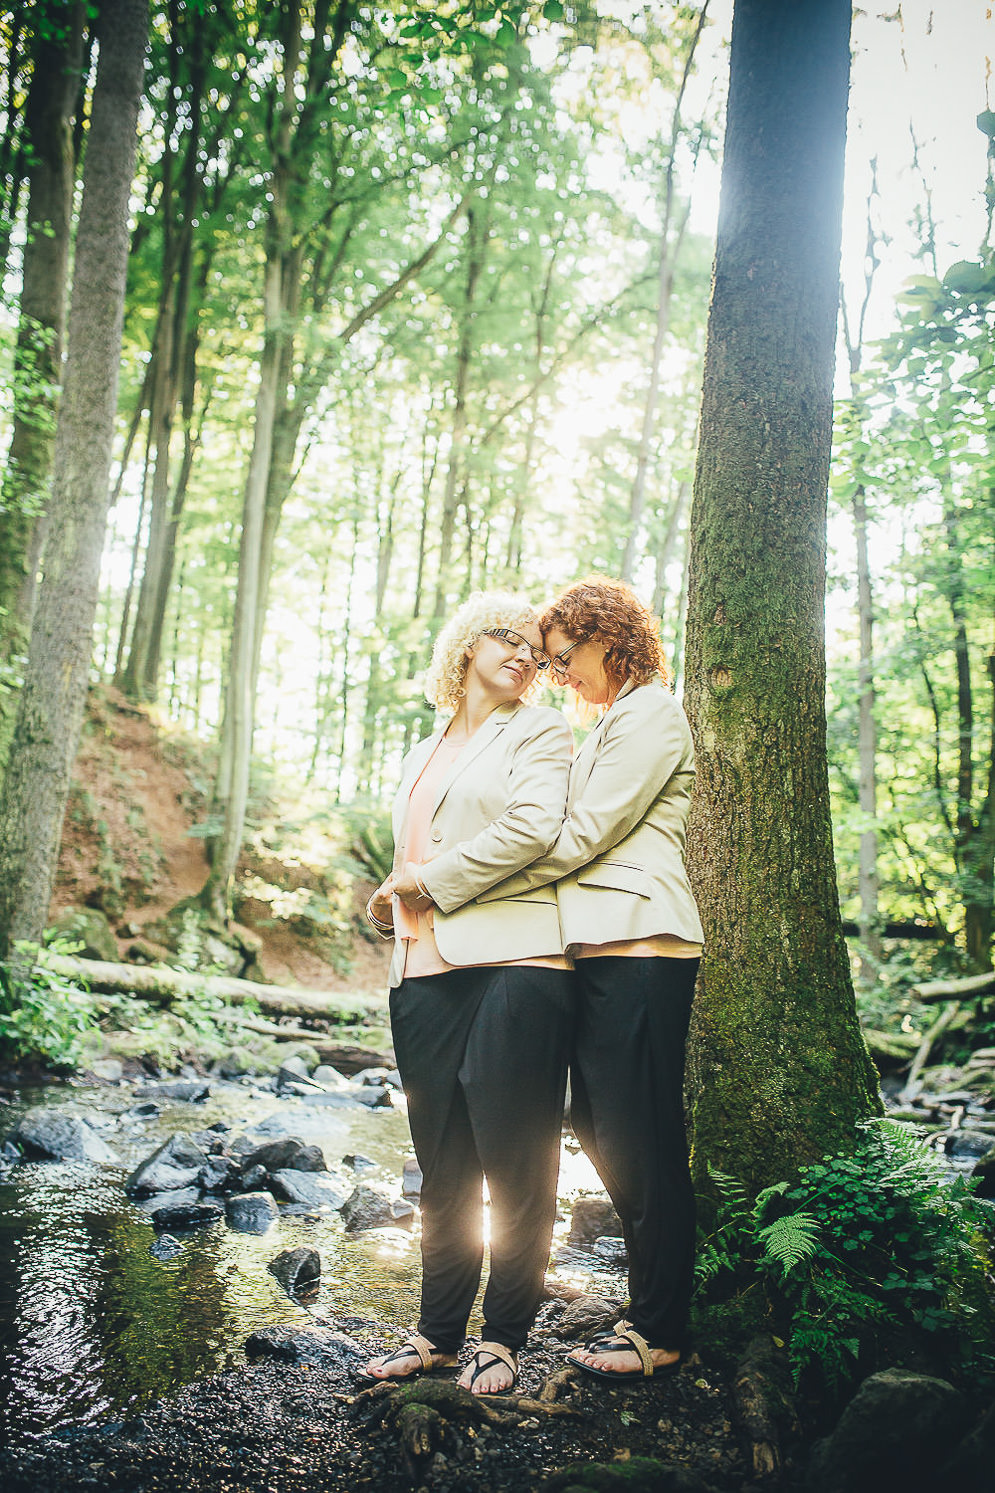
482, 1054
627, 1111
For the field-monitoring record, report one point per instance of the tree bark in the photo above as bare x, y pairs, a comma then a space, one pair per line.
779, 1071
52, 701
49, 113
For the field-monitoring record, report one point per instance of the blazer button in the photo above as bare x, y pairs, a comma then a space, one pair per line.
437, 835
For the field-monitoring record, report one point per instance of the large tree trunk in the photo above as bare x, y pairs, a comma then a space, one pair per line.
38, 359
52, 701
779, 1070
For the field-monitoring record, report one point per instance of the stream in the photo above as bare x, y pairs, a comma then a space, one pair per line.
92, 1326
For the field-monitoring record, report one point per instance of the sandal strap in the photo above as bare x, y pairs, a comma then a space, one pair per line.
639, 1346
420, 1345
499, 1351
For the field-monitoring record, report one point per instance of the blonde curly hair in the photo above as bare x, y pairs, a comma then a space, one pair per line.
482, 610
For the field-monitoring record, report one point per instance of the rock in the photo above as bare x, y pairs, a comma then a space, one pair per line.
319, 1347
182, 1195
984, 1174
357, 1162
896, 1431
219, 1174
109, 1070
350, 1097
314, 1190
403, 1212
367, 1208
411, 1178
968, 1145
593, 1218
187, 1215
188, 1090
287, 1154
370, 1077
586, 1316
87, 926
145, 1111
165, 1247
297, 1270
291, 1070
252, 1178
54, 1135
251, 1212
329, 1077
611, 1252
177, 1163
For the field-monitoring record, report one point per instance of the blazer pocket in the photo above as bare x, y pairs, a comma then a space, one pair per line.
617, 875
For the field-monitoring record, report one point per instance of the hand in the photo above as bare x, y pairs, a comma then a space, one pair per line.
407, 888
380, 903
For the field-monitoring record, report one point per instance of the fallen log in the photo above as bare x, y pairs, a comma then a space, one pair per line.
347, 1057
157, 982
966, 988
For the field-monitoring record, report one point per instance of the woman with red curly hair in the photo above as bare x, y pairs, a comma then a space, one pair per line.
628, 920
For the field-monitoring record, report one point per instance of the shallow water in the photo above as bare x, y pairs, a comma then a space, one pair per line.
91, 1325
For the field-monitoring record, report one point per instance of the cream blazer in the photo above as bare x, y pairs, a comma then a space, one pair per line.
618, 861
499, 808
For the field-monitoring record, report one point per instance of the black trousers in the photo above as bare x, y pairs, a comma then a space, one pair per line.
627, 1111
482, 1054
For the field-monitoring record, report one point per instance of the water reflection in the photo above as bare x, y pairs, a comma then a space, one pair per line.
91, 1324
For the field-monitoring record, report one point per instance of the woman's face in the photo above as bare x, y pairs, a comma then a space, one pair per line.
581, 665
505, 666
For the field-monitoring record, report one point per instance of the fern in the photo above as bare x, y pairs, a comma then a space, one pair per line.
790, 1240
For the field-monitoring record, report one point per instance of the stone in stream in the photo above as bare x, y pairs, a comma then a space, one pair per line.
314, 1190
317, 1347
349, 1098
177, 1163
180, 1196
411, 1178
286, 1154
186, 1215
368, 1208
297, 1270
251, 1212
593, 1218
585, 1316
329, 1077
190, 1091
109, 1070
984, 1175
610, 1250
165, 1248
52, 1135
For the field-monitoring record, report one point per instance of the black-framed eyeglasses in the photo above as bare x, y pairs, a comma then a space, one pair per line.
559, 662
514, 641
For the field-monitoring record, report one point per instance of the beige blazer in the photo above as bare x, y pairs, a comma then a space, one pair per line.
500, 807
618, 861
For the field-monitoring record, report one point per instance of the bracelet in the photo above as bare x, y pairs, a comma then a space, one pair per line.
386, 930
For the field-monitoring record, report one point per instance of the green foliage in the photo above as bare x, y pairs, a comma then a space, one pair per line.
42, 1015
871, 1253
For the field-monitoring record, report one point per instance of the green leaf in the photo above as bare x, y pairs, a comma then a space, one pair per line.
553, 11
986, 123
967, 276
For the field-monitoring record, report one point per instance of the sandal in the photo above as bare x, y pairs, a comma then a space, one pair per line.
486, 1356
625, 1340
414, 1346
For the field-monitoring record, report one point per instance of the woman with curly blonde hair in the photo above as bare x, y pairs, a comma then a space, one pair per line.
629, 922
479, 800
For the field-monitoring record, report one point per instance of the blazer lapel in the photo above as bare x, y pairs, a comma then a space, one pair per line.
480, 739
583, 763
414, 764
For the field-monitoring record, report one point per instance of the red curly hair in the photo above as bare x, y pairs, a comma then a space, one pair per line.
602, 608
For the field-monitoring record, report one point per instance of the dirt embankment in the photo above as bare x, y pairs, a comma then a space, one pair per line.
139, 788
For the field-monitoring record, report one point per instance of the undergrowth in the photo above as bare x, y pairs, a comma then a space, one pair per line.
873, 1256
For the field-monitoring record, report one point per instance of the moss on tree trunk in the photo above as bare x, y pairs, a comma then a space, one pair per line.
779, 1071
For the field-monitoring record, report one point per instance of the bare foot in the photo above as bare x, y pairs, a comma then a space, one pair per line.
492, 1370
623, 1360
416, 1355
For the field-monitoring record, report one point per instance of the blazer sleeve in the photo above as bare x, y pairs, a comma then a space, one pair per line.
639, 754
525, 829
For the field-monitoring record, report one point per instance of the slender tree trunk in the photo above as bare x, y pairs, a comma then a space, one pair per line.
52, 701
867, 746
38, 356
779, 1070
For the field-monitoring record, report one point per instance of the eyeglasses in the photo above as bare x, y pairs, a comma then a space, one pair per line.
560, 661
514, 641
